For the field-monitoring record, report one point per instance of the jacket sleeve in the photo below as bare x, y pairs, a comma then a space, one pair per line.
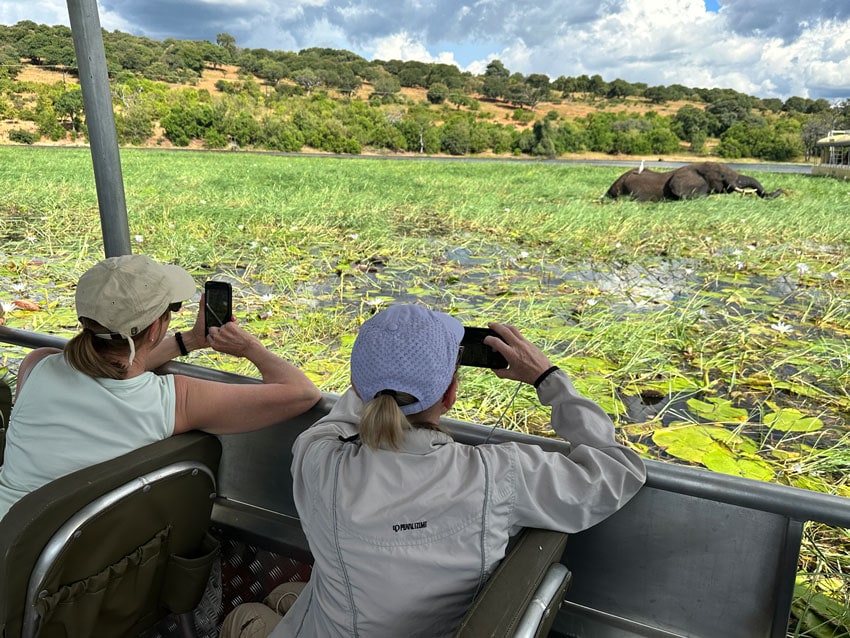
315, 448
574, 491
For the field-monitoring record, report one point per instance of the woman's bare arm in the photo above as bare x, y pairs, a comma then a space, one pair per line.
225, 408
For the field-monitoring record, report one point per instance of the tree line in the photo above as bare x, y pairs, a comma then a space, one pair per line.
287, 101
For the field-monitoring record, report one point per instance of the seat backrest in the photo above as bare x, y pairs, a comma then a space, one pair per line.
109, 549
522, 596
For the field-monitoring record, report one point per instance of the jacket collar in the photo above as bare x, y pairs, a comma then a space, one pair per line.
423, 440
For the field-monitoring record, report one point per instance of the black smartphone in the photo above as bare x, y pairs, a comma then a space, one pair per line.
218, 305
476, 353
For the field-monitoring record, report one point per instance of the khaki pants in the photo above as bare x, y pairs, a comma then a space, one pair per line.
258, 620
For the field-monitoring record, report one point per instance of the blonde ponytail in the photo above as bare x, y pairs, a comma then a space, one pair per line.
382, 423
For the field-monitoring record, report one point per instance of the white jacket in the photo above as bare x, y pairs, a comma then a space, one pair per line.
402, 540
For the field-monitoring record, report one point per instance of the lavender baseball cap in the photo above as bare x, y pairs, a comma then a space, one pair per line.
406, 348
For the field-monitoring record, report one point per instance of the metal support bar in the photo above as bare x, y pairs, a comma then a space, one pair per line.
100, 120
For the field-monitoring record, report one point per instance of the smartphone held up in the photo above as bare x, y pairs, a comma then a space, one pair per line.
218, 305
476, 353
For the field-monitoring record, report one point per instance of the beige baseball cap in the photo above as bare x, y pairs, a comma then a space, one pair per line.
126, 294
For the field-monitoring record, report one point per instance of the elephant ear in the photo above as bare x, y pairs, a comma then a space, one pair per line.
685, 183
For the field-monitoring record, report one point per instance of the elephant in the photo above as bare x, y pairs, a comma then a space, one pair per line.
687, 182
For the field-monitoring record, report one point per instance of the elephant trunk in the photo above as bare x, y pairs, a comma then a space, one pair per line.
749, 183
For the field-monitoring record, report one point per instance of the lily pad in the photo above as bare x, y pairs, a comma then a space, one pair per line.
716, 448
718, 410
792, 420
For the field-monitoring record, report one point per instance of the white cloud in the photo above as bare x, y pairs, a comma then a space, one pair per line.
769, 48
41, 11
402, 46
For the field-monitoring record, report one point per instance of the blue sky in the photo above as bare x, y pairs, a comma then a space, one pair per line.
767, 48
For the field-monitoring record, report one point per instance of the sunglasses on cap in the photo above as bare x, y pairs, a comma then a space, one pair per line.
174, 307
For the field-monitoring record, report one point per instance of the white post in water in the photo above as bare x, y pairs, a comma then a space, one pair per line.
97, 99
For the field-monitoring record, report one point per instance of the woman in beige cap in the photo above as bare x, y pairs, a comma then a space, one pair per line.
98, 399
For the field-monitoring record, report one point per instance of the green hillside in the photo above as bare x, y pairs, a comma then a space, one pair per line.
218, 95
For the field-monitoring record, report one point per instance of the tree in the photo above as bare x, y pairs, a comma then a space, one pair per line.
455, 136
438, 93
538, 81
447, 74
523, 94
494, 87
495, 80
690, 123
308, 79
620, 89
497, 69
228, 43
462, 99
544, 136
814, 129
134, 125
273, 72
70, 103
10, 63
795, 103
349, 83
48, 120
419, 131
386, 86
598, 86
658, 94
728, 112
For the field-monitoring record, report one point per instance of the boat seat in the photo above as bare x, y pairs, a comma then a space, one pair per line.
5, 413
112, 548
522, 597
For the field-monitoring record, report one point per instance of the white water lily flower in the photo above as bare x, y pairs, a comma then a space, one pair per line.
8, 307
241, 227
253, 244
781, 327
507, 210
739, 265
353, 236
523, 254
18, 287
202, 202
803, 268
266, 298
139, 239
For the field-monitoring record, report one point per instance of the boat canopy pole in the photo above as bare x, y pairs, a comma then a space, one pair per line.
100, 119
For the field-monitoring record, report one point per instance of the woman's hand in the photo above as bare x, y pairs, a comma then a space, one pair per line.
195, 339
526, 362
232, 339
